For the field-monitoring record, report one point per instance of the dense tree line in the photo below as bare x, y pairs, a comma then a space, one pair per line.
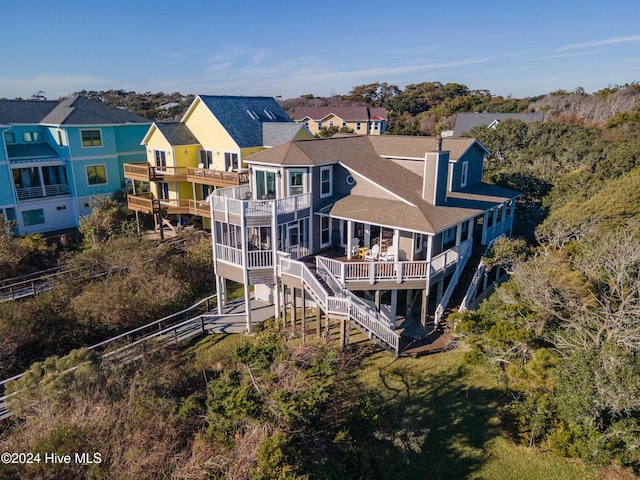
564, 332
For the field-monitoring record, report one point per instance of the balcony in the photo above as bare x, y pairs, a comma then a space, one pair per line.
238, 201
149, 173
357, 273
216, 178
29, 193
146, 203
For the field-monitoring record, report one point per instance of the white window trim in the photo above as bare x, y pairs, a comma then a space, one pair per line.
89, 130
330, 170
464, 174
106, 175
417, 242
304, 181
322, 245
231, 153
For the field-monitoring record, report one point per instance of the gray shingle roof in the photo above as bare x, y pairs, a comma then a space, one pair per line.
279, 132
24, 111
410, 211
242, 117
82, 111
466, 121
177, 133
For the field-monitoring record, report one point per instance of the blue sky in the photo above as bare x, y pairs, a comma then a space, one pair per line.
290, 48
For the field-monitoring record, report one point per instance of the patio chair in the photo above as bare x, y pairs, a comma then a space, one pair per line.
390, 254
355, 244
372, 254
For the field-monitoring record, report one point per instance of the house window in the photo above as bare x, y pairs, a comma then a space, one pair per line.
160, 157
91, 138
9, 137
344, 124
330, 123
358, 124
417, 242
33, 217
163, 190
449, 238
296, 185
319, 125
60, 138
464, 174
499, 214
265, 183
231, 161
374, 125
206, 158
325, 182
32, 136
96, 174
325, 230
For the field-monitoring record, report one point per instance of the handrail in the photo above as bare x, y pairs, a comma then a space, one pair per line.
473, 287
133, 331
346, 304
465, 252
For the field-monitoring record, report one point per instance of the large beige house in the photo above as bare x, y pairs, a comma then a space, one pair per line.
359, 120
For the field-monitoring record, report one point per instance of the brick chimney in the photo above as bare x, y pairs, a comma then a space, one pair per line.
436, 176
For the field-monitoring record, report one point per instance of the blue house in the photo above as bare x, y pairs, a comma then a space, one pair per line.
56, 155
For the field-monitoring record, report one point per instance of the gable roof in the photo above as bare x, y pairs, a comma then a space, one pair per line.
243, 117
176, 133
82, 111
25, 111
359, 155
466, 121
277, 133
353, 114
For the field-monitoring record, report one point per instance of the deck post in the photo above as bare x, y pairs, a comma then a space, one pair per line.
318, 321
423, 308
303, 333
285, 295
294, 314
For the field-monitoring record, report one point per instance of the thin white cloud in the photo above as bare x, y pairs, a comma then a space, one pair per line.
599, 43
566, 55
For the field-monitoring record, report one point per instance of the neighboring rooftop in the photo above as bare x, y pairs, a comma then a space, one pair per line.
280, 132
243, 117
16, 112
82, 111
466, 121
353, 114
176, 133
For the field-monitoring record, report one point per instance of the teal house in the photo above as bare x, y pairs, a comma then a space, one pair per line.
56, 155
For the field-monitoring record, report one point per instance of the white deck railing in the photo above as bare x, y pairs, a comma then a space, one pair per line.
473, 287
401, 271
344, 302
232, 200
465, 253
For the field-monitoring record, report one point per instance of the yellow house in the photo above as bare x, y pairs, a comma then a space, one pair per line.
358, 120
187, 160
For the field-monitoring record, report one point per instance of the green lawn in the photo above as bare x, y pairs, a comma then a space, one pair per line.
459, 404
